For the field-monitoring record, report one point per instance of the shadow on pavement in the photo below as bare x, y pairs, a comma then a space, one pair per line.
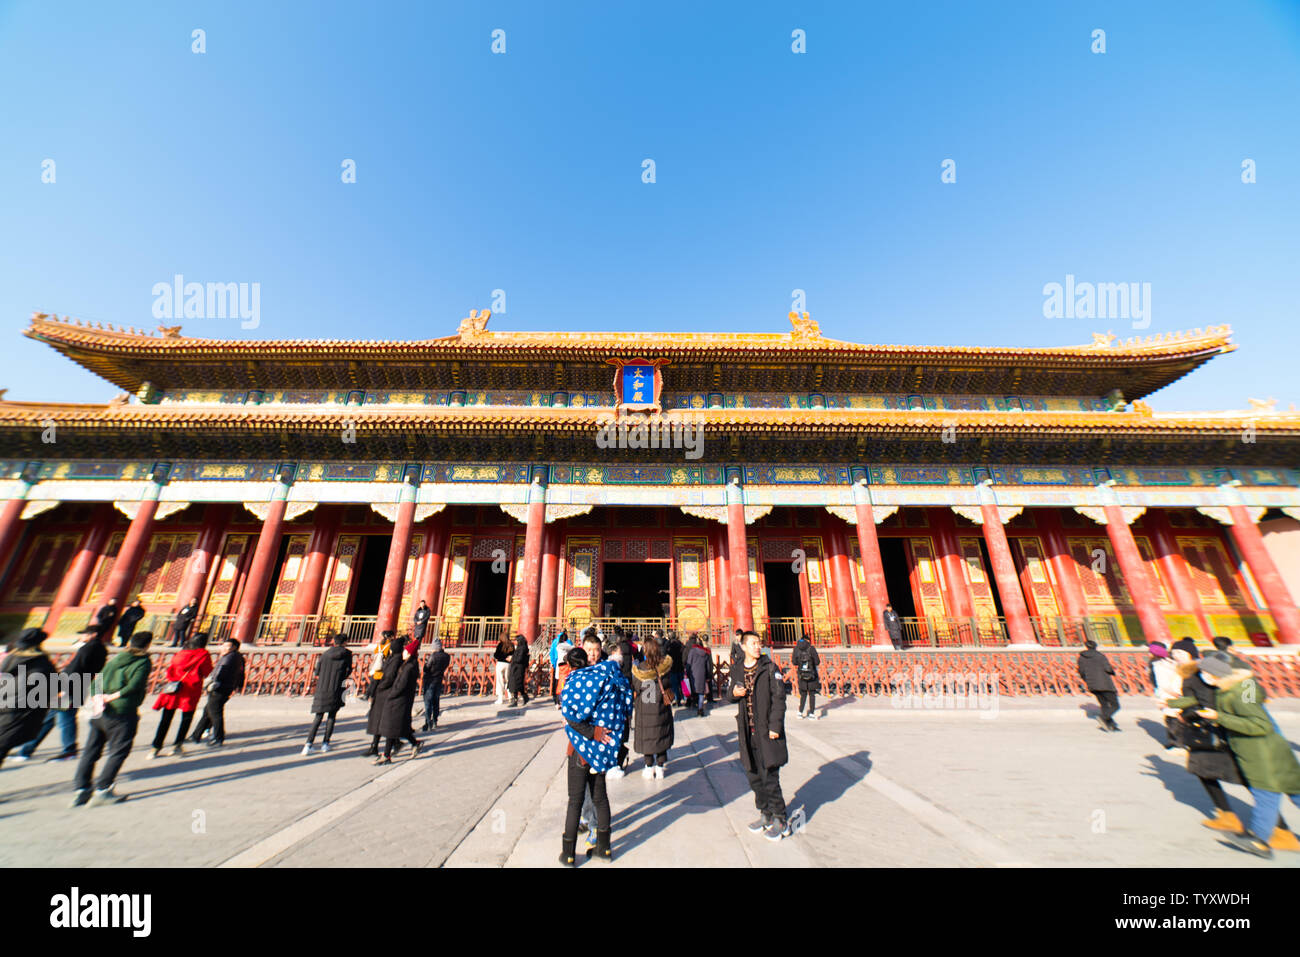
829, 784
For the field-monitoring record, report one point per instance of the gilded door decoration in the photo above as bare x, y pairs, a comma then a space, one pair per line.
233, 554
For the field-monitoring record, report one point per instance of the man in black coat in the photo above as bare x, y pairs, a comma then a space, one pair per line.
434, 670
126, 624
333, 668
894, 625
1095, 670
184, 622
518, 679
80, 672
225, 680
760, 691
104, 619
24, 701
421, 621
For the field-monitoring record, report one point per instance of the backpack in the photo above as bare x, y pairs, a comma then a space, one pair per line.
806, 668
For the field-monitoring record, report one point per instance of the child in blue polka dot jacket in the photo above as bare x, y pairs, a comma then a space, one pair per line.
595, 704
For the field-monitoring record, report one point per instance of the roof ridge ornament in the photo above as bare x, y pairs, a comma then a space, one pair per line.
170, 332
804, 327
1102, 340
474, 324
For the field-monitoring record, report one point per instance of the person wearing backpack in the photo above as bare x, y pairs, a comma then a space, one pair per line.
806, 663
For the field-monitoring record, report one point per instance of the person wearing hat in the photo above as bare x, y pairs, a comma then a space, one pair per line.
1264, 756
1208, 754
79, 674
1223, 643
1095, 669
400, 680
24, 702
1167, 684
120, 689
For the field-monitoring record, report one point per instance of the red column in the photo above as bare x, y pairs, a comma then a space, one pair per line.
1174, 566
738, 560
206, 554
324, 538
1135, 573
1280, 603
74, 583
390, 596
722, 575
253, 598
550, 572
844, 601
873, 570
958, 596
435, 546
1068, 590
1004, 573
131, 554
531, 585
11, 524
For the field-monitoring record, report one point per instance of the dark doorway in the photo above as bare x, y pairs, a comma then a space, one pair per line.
487, 590
370, 574
276, 571
781, 586
893, 556
988, 575
636, 589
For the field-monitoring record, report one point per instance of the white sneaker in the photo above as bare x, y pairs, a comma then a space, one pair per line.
325, 747
799, 714
615, 772
306, 749
647, 772
814, 715
659, 772
20, 758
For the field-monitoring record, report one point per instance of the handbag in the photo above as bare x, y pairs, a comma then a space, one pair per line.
664, 690
171, 687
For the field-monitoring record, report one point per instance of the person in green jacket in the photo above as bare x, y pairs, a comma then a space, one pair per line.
120, 689
1265, 757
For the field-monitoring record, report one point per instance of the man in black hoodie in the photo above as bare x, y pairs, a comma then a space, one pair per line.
760, 730
80, 672
1095, 670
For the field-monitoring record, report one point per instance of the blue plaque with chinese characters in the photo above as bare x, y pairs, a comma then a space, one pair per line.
638, 384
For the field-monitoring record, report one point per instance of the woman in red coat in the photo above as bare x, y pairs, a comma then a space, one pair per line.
187, 671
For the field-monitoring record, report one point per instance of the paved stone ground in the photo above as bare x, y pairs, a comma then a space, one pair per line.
1035, 784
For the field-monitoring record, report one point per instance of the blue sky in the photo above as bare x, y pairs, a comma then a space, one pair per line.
775, 170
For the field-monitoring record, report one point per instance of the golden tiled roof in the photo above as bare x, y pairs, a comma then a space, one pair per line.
805, 340
513, 418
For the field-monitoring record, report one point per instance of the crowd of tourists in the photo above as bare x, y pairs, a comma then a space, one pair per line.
616, 694
1215, 720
